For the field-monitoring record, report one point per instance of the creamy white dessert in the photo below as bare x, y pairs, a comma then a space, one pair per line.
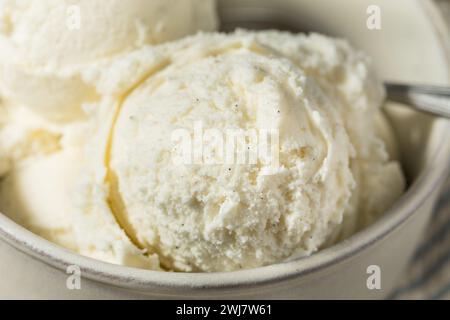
134, 205
47, 46
334, 174
52, 53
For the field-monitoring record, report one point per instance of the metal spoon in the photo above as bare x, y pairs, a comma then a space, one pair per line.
430, 99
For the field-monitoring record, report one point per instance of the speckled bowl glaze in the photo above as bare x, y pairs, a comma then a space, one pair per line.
411, 46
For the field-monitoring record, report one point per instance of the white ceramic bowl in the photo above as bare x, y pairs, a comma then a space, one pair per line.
410, 47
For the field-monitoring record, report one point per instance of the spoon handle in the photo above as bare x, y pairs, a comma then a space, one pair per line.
430, 99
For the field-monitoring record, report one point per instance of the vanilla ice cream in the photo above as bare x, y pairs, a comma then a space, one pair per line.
38, 188
38, 194
332, 176
52, 54
46, 46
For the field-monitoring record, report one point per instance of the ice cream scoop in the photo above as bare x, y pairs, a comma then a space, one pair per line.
46, 46
330, 173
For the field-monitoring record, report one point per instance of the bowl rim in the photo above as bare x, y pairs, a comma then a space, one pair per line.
147, 280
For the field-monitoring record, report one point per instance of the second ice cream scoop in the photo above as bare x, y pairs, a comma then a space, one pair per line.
46, 46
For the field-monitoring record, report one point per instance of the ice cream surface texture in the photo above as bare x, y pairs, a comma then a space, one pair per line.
333, 173
48, 46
